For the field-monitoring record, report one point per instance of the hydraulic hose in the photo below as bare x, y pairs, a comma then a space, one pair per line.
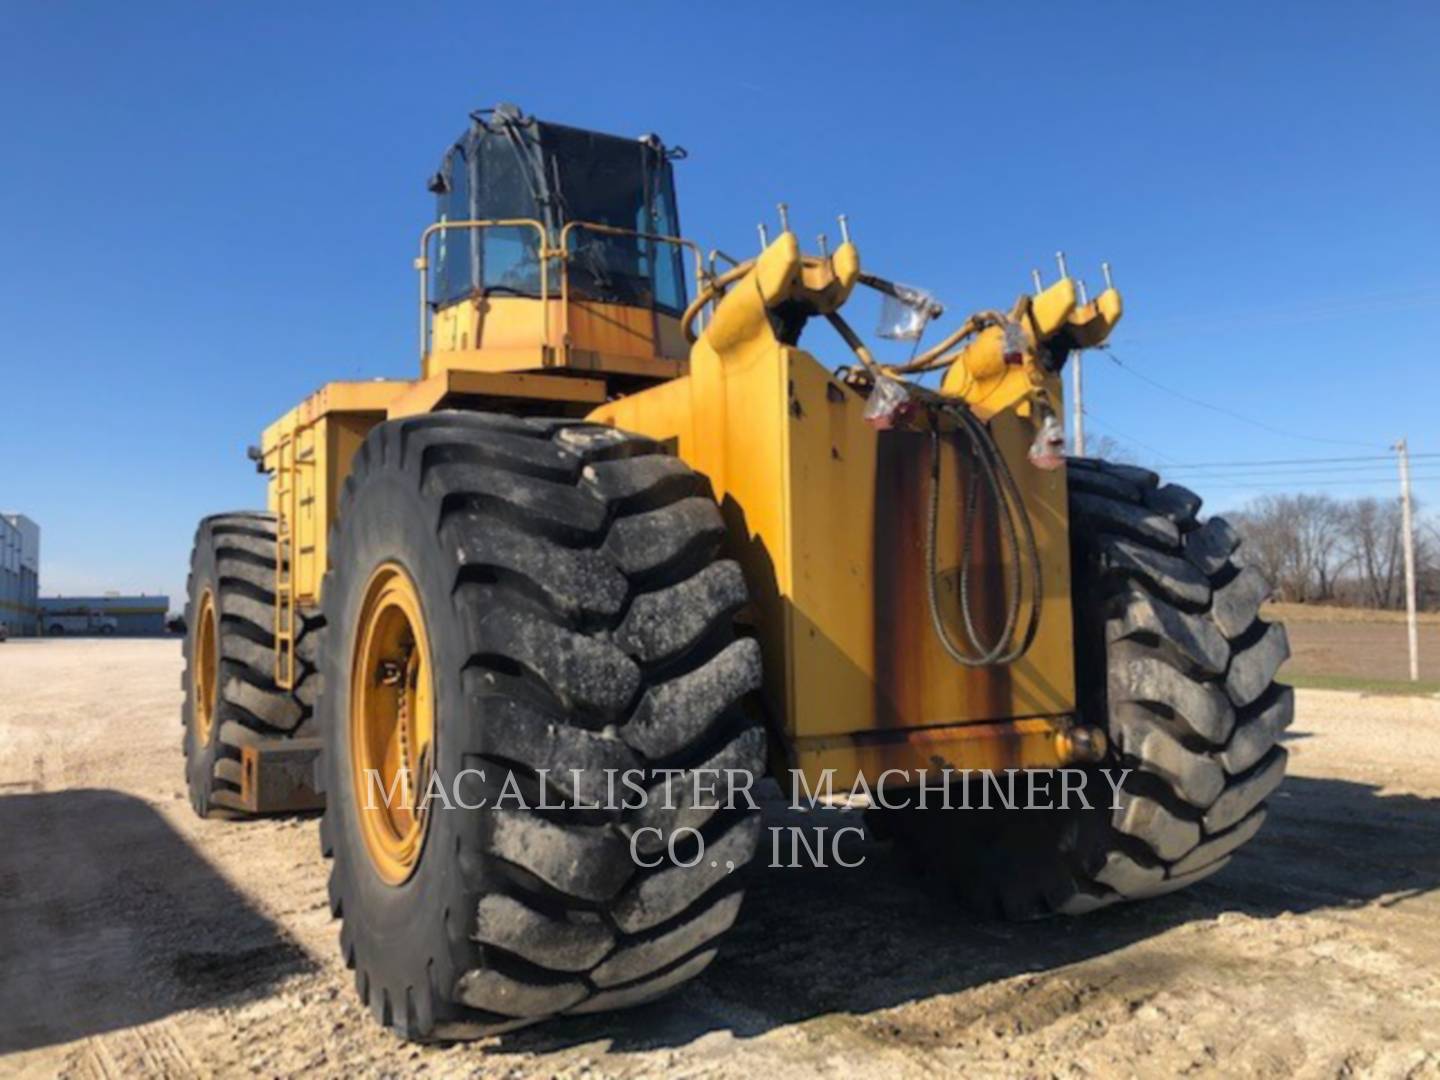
712, 289
989, 467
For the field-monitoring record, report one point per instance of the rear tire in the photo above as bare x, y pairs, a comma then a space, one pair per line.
233, 563
578, 618
1172, 657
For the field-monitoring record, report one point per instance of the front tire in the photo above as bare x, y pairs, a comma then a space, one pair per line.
569, 614
1173, 653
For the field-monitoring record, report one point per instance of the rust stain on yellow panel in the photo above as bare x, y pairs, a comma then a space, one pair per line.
863, 630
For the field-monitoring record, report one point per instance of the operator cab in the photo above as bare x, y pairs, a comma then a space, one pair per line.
532, 215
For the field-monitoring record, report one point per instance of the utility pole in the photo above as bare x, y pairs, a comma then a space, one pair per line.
1077, 389
1077, 392
1407, 523
1079, 405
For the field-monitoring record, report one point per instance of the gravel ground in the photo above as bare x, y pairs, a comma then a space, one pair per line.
137, 939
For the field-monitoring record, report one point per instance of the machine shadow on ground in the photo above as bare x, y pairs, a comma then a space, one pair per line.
815, 942
109, 919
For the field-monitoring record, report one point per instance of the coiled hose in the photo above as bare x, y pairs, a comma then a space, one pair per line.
1017, 530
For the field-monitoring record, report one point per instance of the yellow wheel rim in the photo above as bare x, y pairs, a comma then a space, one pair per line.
392, 722
202, 670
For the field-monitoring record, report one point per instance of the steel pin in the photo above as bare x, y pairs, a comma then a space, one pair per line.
1060, 262
824, 246
1080, 291
784, 218
764, 236
1039, 284
1105, 269
844, 229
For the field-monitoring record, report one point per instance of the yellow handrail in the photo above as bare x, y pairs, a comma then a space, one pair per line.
612, 230
422, 264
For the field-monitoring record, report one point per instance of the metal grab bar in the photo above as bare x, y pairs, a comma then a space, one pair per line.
422, 264
546, 253
612, 230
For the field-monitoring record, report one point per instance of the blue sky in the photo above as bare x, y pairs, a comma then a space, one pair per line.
209, 210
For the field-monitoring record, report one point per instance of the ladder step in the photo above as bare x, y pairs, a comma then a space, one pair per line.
286, 495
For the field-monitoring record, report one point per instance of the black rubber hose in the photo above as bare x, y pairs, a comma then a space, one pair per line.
989, 467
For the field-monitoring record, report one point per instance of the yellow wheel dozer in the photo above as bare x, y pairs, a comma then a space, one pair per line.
530, 625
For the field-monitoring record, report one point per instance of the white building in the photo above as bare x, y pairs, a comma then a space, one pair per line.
19, 574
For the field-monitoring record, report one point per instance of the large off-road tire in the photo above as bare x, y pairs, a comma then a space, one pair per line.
231, 698
577, 617
1174, 661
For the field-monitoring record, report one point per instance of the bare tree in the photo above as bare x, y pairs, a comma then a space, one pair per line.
1373, 534
1109, 449
1269, 542
1297, 542
1322, 543
1315, 549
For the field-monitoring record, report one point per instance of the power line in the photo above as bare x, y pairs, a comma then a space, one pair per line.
1224, 411
1130, 438
1305, 484
1313, 311
1294, 461
1354, 472
1285, 481
1282, 472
